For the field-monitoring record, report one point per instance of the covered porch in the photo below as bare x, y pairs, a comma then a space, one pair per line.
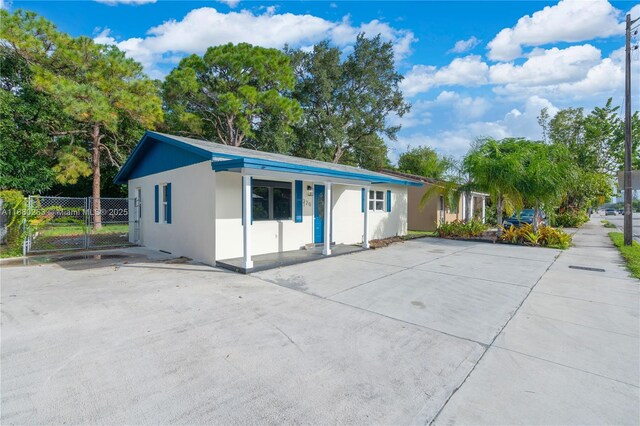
328, 214
262, 262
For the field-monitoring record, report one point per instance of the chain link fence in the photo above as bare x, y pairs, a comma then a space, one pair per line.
73, 223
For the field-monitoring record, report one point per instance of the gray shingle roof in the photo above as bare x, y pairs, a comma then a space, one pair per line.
218, 148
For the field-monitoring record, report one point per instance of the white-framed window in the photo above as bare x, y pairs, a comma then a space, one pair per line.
376, 201
164, 203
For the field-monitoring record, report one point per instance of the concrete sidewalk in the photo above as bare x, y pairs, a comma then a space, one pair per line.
570, 355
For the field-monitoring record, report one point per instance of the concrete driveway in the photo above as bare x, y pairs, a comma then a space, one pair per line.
428, 330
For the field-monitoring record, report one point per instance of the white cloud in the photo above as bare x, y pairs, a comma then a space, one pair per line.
205, 27
545, 67
132, 2
467, 71
567, 21
231, 3
579, 75
462, 46
456, 141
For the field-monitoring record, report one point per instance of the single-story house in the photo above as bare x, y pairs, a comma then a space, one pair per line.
213, 202
434, 212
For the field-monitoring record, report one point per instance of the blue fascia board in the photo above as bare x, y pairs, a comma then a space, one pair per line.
143, 146
277, 166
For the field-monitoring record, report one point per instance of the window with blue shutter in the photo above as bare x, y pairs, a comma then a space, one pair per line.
364, 200
157, 203
168, 213
298, 201
389, 201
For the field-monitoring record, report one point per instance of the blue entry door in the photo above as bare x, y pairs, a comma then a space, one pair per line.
318, 214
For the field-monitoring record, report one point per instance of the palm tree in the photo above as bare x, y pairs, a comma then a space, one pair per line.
496, 167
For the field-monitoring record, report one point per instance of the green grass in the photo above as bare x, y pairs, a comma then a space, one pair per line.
6, 252
418, 234
608, 224
631, 253
62, 230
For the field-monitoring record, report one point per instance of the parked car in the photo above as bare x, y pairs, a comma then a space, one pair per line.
620, 211
525, 216
610, 212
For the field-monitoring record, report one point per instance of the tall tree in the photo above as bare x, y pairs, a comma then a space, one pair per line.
27, 118
97, 86
235, 94
347, 103
546, 170
425, 161
496, 167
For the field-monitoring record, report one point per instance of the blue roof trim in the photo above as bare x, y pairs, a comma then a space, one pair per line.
277, 166
149, 157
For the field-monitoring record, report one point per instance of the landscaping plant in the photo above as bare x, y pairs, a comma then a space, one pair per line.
545, 236
460, 229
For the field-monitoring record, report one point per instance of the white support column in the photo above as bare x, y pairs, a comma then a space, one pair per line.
483, 208
327, 219
464, 207
247, 263
365, 235
471, 204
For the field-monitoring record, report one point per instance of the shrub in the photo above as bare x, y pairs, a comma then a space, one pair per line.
545, 237
460, 229
15, 208
571, 219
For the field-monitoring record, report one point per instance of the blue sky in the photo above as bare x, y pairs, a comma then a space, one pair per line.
471, 69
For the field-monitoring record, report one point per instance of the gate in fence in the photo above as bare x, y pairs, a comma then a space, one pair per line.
74, 223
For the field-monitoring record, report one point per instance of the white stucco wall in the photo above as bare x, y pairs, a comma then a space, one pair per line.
348, 222
206, 216
266, 236
191, 232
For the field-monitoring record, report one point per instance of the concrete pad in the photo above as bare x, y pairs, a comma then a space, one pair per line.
331, 276
611, 355
517, 252
401, 255
161, 343
507, 388
521, 272
575, 284
601, 316
469, 308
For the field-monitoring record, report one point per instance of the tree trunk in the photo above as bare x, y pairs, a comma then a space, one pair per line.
535, 220
95, 163
467, 206
338, 154
499, 209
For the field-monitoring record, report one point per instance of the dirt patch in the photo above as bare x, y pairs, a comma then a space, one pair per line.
384, 242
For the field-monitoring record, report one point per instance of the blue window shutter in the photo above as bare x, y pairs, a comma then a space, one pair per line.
298, 201
364, 200
389, 201
157, 207
168, 203
251, 205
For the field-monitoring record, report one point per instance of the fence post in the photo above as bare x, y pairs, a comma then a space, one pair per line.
87, 221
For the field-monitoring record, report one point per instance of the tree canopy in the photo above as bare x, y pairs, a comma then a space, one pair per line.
346, 103
425, 161
98, 88
234, 94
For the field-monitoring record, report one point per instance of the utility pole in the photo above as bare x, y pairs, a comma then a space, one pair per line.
628, 190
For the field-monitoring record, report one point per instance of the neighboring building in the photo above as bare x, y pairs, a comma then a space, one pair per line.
434, 212
213, 202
